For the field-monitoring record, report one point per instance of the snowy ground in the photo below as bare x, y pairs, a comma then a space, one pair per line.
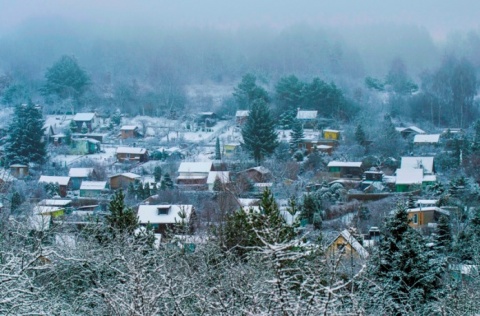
107, 157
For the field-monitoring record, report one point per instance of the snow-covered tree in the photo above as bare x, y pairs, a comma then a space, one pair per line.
296, 135
218, 152
259, 135
25, 142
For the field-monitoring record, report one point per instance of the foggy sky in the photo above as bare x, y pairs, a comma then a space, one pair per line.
439, 17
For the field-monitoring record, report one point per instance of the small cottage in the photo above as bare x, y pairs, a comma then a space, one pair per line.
19, 170
342, 169
163, 218
131, 154
85, 146
332, 134
62, 182
194, 175
222, 176
77, 175
93, 188
89, 120
129, 131
121, 181
241, 117
347, 247
423, 217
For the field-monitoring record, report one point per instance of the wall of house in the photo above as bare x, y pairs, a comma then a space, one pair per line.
335, 249
120, 182
331, 135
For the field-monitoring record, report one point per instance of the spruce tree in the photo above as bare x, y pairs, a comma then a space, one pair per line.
259, 135
444, 234
310, 207
25, 142
146, 190
16, 201
121, 218
140, 191
404, 269
73, 126
167, 182
84, 129
218, 153
157, 173
217, 185
296, 135
360, 136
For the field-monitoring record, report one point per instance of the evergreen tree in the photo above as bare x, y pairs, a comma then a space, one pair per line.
66, 79
360, 136
404, 268
259, 135
167, 182
84, 129
217, 185
410, 201
131, 190
121, 218
140, 191
296, 135
248, 91
444, 234
289, 93
157, 173
310, 208
116, 118
25, 142
146, 190
73, 126
218, 153
16, 201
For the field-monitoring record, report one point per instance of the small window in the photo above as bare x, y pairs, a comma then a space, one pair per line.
163, 210
340, 247
415, 219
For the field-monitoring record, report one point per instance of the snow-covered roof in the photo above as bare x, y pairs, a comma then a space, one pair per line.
412, 128
418, 162
128, 128
129, 175
331, 130
362, 252
80, 172
55, 202
54, 179
224, 176
427, 202
93, 185
191, 177
150, 213
203, 167
45, 210
260, 169
324, 147
429, 208
426, 138
131, 150
242, 113
84, 117
247, 202
344, 164
307, 115
430, 178
409, 176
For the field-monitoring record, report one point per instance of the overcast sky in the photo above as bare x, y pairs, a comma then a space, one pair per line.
440, 17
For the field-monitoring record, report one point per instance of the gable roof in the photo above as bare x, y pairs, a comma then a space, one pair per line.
79, 172
224, 176
411, 128
149, 213
129, 175
93, 185
362, 252
307, 115
200, 167
55, 202
84, 117
54, 179
131, 150
418, 162
260, 169
426, 138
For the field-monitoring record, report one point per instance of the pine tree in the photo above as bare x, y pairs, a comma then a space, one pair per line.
131, 192
84, 129
259, 135
444, 234
218, 153
167, 182
296, 135
157, 173
25, 142
73, 126
140, 191
360, 136
404, 269
310, 207
16, 201
217, 185
121, 218
146, 190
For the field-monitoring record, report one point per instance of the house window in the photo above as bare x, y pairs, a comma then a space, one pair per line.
340, 247
163, 210
415, 219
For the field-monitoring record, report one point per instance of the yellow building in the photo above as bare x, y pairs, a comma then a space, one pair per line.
345, 245
331, 134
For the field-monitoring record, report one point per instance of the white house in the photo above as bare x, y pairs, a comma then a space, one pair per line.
164, 217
